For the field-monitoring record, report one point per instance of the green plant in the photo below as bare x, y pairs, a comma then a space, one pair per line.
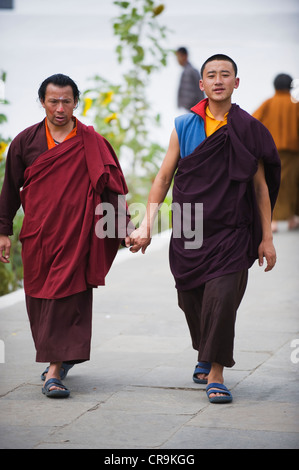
121, 111
11, 274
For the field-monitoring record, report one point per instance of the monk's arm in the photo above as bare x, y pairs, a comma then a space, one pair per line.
10, 195
266, 248
9, 201
141, 238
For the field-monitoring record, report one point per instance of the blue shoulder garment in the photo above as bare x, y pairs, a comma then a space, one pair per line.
191, 132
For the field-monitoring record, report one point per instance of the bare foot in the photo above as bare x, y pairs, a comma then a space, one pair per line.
54, 373
216, 376
202, 376
201, 372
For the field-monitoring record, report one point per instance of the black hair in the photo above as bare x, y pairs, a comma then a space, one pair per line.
60, 80
182, 50
219, 57
283, 82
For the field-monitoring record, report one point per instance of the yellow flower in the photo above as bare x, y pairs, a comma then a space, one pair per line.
87, 105
158, 10
110, 135
3, 146
110, 118
106, 98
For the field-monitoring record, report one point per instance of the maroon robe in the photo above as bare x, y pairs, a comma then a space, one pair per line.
219, 174
61, 252
62, 256
61, 189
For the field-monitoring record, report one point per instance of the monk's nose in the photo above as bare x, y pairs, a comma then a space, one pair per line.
60, 107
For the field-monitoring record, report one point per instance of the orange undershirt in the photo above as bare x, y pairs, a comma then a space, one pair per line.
212, 125
50, 140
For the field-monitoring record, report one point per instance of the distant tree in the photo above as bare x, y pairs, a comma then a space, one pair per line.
121, 111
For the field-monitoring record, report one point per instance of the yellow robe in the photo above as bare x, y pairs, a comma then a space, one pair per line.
281, 117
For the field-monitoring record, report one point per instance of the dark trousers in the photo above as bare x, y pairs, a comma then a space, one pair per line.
210, 312
61, 328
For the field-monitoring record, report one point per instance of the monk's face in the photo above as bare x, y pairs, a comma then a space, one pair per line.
181, 58
219, 80
59, 104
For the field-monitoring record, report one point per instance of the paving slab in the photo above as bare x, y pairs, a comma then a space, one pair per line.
137, 392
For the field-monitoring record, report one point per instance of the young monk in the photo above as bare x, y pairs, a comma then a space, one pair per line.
225, 160
65, 169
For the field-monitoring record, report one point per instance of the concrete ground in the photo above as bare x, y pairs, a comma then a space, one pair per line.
137, 390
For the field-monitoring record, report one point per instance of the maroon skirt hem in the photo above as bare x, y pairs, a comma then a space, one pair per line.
61, 328
210, 312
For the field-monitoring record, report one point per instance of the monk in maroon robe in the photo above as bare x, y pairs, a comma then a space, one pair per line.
66, 170
227, 175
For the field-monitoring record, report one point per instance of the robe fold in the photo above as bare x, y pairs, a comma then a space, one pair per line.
63, 257
219, 174
62, 188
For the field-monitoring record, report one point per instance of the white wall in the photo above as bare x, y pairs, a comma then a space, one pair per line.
75, 37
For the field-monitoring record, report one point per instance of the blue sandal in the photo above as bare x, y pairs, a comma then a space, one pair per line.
201, 368
213, 388
63, 371
55, 393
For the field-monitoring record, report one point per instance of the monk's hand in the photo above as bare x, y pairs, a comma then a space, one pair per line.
5, 245
267, 250
138, 240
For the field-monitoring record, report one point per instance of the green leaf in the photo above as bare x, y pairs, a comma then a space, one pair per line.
122, 4
3, 118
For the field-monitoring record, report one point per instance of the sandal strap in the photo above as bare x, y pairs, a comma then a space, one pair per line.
217, 388
56, 382
202, 368
63, 371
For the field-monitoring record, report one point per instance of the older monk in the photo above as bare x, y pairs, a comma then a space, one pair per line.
65, 170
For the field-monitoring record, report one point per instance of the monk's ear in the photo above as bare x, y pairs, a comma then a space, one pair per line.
237, 83
201, 85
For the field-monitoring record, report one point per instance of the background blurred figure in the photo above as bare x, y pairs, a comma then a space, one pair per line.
189, 92
281, 116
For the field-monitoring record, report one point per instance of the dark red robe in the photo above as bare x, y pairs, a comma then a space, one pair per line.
219, 174
60, 191
62, 255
